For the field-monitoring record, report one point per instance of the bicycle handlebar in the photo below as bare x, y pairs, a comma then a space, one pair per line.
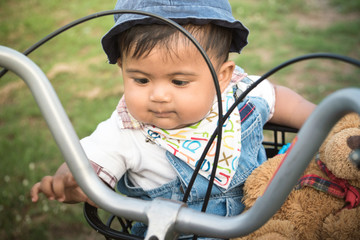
165, 217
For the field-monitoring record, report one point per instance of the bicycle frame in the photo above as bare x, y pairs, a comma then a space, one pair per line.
166, 218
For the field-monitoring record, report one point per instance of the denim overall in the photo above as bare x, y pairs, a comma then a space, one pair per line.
254, 112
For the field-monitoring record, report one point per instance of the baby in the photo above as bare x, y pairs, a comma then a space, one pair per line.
151, 143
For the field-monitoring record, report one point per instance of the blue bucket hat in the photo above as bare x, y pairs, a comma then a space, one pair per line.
197, 12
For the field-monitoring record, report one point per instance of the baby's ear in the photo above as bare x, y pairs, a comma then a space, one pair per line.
119, 63
225, 74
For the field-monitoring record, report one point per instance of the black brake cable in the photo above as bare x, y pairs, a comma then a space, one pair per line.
256, 83
332, 56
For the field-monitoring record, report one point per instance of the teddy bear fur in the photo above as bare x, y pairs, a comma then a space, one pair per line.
308, 213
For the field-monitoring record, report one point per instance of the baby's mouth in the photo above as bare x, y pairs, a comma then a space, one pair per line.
162, 114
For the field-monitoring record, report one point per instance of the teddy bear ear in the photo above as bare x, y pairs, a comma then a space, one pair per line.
351, 120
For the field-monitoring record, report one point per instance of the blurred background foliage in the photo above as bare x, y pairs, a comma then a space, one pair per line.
89, 88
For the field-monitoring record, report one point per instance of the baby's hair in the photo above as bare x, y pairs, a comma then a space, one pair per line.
141, 39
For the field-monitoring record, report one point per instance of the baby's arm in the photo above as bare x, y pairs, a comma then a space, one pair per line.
291, 109
106, 146
61, 187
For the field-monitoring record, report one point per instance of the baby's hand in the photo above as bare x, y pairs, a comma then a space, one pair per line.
61, 187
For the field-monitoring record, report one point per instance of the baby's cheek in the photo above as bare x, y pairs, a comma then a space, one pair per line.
197, 114
136, 109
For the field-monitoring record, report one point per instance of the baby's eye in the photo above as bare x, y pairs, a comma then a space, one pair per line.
141, 80
179, 82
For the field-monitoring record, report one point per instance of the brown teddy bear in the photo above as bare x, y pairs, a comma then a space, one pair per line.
325, 202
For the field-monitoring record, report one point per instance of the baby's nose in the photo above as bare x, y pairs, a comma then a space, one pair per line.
160, 94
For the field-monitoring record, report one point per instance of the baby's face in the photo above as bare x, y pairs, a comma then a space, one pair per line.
169, 92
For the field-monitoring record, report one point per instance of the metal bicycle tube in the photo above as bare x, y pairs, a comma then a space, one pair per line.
186, 220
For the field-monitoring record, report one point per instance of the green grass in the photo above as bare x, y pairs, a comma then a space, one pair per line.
280, 30
89, 88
